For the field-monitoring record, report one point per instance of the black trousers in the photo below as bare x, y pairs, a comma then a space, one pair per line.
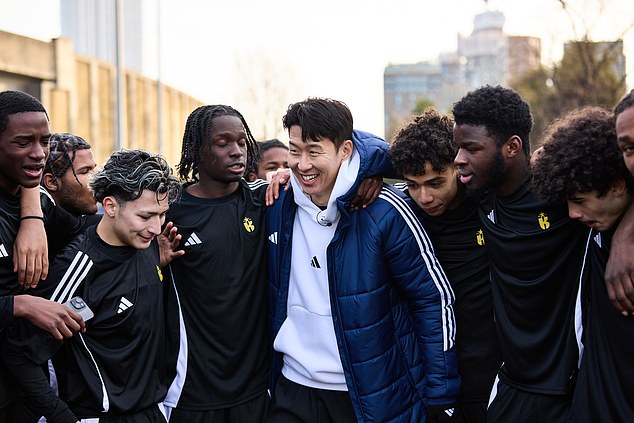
517, 406
294, 403
253, 411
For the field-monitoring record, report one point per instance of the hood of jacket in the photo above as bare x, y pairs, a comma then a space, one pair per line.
369, 158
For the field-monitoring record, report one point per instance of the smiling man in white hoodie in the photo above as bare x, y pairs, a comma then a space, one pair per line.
361, 311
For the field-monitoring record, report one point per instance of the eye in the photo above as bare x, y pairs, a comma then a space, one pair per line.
627, 149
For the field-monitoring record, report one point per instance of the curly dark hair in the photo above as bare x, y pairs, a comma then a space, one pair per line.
580, 155
428, 138
500, 110
625, 103
127, 173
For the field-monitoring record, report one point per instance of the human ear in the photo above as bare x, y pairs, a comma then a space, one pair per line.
513, 146
110, 206
619, 187
346, 149
50, 182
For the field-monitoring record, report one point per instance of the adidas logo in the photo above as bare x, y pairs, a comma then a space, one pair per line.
273, 238
597, 239
124, 305
3, 251
193, 240
314, 263
449, 412
491, 216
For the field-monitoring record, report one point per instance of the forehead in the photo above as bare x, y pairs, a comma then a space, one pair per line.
625, 121
295, 135
274, 154
149, 202
226, 124
585, 195
430, 174
83, 157
25, 123
475, 133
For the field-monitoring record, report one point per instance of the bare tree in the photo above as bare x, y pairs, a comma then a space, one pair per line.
264, 88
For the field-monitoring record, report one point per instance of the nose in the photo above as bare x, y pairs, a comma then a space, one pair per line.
460, 160
38, 152
574, 211
425, 196
236, 150
154, 226
304, 163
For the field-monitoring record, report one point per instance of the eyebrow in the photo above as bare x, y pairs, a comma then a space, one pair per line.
308, 143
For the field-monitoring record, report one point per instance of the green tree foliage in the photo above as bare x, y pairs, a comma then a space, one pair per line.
589, 74
422, 104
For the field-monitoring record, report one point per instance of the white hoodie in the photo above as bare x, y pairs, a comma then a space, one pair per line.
307, 336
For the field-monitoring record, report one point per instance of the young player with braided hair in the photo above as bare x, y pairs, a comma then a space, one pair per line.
222, 364
67, 172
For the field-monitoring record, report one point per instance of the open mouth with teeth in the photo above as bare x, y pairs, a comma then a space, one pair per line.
34, 170
308, 178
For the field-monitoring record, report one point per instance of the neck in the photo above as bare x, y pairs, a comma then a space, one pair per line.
517, 173
106, 233
212, 189
9, 187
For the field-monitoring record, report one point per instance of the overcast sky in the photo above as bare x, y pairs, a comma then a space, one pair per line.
335, 48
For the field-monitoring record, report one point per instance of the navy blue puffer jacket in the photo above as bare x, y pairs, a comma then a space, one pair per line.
391, 302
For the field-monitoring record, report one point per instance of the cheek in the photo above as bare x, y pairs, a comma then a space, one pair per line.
629, 162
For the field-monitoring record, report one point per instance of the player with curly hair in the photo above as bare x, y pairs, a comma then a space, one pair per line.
116, 370
422, 154
582, 165
536, 254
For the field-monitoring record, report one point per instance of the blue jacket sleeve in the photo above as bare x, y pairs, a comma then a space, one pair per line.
418, 275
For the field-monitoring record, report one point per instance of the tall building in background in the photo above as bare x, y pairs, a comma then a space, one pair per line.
404, 85
486, 56
484, 50
91, 24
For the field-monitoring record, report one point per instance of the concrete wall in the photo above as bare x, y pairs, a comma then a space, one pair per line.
79, 94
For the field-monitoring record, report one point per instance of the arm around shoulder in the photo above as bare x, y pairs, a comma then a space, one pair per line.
49, 316
619, 273
419, 277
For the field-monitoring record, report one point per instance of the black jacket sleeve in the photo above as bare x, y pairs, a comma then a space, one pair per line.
25, 352
6, 310
40, 397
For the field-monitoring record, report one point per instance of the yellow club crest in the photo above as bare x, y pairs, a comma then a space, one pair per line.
248, 224
542, 218
480, 237
160, 274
